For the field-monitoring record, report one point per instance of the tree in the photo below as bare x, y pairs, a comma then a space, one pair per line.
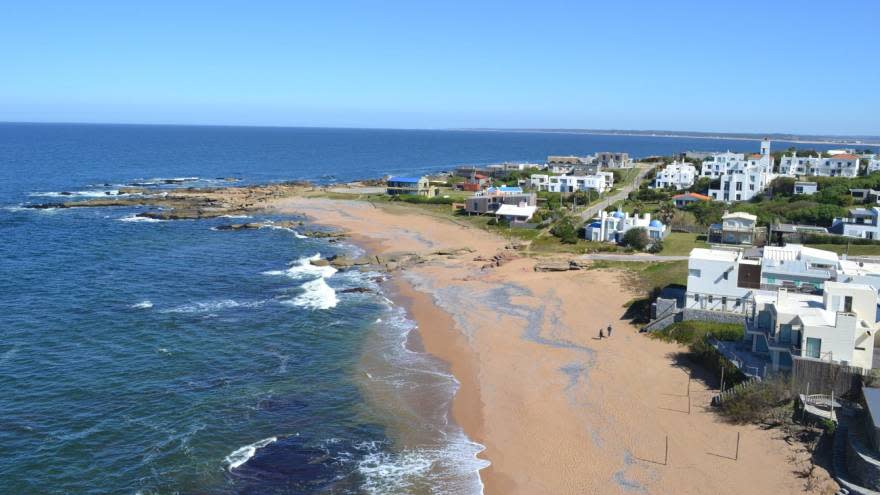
636, 238
701, 185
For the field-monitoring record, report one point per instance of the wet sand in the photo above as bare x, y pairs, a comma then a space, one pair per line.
558, 410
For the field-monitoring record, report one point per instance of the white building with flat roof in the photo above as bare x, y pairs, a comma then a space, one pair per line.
837, 326
874, 164
841, 165
861, 222
676, 175
741, 178
575, 183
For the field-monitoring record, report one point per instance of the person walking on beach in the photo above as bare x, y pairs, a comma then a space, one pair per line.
601, 335
609, 330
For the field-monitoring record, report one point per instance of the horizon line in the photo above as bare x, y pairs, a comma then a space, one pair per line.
779, 136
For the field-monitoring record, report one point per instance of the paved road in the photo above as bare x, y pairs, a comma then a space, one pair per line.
631, 257
622, 194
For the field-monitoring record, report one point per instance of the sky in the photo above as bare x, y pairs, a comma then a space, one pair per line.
805, 67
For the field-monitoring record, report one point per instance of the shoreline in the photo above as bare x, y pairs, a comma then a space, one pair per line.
556, 410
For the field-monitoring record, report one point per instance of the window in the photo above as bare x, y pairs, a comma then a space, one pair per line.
723, 301
694, 272
847, 304
710, 298
725, 275
814, 348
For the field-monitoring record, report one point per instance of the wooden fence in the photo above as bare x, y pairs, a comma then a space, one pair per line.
811, 376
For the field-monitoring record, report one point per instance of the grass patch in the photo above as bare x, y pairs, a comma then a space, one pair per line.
648, 275
681, 243
688, 332
854, 249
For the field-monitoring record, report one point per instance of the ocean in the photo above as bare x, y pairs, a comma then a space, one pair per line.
168, 357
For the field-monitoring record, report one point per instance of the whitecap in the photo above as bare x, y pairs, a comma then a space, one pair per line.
95, 193
235, 216
243, 454
276, 227
211, 306
135, 218
317, 295
304, 267
142, 305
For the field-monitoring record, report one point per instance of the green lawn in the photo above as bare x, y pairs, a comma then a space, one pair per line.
649, 275
854, 249
681, 243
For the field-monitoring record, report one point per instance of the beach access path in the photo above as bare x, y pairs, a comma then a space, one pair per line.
558, 410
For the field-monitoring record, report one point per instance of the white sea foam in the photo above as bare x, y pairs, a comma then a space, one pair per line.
243, 454
135, 218
211, 306
142, 305
94, 193
317, 295
235, 216
276, 227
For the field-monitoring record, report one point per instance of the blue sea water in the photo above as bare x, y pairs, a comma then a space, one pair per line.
167, 357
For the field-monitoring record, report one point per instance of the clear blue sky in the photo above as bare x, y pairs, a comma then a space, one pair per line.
745, 66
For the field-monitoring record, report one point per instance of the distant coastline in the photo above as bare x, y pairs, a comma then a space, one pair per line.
789, 138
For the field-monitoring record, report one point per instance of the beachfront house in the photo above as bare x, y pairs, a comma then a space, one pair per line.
676, 175
838, 165
874, 164
518, 213
683, 200
730, 280
837, 326
735, 228
539, 182
419, 186
489, 200
861, 223
806, 188
783, 233
612, 227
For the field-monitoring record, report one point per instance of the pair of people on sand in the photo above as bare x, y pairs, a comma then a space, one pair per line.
602, 332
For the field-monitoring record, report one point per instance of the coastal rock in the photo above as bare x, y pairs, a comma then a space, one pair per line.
578, 264
320, 262
342, 262
453, 251
355, 290
552, 266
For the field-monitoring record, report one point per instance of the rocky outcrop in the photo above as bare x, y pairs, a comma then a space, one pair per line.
552, 266
188, 203
355, 290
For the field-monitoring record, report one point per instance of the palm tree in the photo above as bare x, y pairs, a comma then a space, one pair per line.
666, 212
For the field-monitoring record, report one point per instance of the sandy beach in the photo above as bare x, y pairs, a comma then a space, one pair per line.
558, 410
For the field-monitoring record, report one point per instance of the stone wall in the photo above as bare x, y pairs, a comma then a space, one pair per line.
860, 461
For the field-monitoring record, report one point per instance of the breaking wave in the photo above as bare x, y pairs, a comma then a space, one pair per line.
243, 454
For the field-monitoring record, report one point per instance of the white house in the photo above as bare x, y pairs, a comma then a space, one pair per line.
574, 183
837, 326
515, 213
806, 188
677, 175
840, 165
735, 281
611, 227
735, 228
861, 222
741, 178
874, 164
539, 182
718, 163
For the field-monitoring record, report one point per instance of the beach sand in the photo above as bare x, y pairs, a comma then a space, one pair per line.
558, 410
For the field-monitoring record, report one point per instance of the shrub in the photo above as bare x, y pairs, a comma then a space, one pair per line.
565, 231
756, 403
636, 238
655, 247
687, 332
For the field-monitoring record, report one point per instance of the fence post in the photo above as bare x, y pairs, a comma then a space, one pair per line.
736, 456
